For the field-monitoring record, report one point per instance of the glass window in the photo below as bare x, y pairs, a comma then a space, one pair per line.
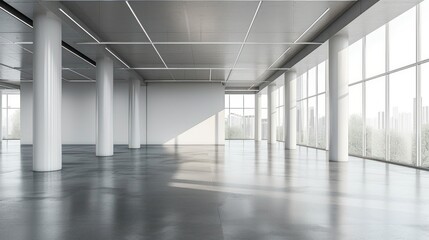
240, 116
355, 120
302, 122
375, 59
11, 118
424, 29
312, 82
321, 122
304, 85
321, 77
226, 100
236, 101
402, 40
424, 75
312, 122
375, 118
280, 124
355, 62
236, 127
402, 101
249, 101
249, 123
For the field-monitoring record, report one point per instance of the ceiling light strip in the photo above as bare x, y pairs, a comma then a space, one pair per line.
144, 30
80, 74
199, 43
120, 60
75, 22
308, 29
78, 54
196, 68
245, 39
16, 14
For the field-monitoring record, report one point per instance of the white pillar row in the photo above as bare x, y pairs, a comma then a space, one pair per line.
134, 113
47, 91
338, 98
258, 136
104, 108
271, 136
290, 109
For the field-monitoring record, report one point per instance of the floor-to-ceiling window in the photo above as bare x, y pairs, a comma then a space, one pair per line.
239, 116
388, 96
11, 115
311, 116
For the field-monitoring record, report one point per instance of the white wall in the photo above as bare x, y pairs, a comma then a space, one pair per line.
185, 113
177, 113
78, 113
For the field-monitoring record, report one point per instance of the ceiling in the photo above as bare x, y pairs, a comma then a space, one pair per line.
234, 42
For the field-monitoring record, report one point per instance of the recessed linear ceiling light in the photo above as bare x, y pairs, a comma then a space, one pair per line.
75, 22
308, 29
120, 60
245, 39
144, 30
70, 51
13, 15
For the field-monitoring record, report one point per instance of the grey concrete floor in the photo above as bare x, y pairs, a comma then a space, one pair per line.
241, 190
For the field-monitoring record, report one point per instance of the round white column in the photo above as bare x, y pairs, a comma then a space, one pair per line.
104, 129
134, 113
290, 109
338, 98
46, 91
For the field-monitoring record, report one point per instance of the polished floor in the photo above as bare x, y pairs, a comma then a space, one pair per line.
241, 190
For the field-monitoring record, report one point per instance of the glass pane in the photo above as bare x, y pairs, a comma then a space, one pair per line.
355, 120
402, 40
304, 85
249, 123
402, 102
264, 101
312, 82
281, 101
321, 122
375, 118
227, 124
274, 101
280, 117
13, 124
249, 101
4, 122
236, 129
375, 52
321, 77
226, 100
13, 101
302, 122
424, 29
312, 121
4, 100
236, 101
425, 113
298, 88
264, 124
355, 62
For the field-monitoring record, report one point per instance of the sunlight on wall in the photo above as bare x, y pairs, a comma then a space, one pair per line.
209, 131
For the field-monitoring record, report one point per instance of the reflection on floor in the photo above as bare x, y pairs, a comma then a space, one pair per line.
242, 190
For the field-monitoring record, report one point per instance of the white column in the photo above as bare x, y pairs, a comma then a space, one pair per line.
134, 113
338, 98
47, 91
271, 136
104, 129
258, 136
290, 109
